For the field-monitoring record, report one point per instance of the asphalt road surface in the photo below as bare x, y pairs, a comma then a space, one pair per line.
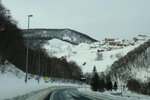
67, 94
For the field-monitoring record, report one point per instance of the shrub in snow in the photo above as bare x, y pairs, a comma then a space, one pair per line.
118, 55
99, 56
111, 56
2, 68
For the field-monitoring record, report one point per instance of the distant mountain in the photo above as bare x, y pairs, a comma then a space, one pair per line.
67, 35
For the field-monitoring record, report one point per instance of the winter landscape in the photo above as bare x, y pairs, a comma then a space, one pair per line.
66, 64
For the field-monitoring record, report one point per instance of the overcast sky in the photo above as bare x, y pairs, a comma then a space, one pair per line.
96, 18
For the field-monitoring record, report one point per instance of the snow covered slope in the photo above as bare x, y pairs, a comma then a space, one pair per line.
99, 54
134, 65
12, 83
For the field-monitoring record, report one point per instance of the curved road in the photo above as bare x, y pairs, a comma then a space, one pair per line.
67, 94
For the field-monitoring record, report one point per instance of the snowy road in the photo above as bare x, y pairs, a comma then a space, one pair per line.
70, 93
67, 94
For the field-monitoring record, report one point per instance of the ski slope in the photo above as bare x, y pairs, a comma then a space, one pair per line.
86, 56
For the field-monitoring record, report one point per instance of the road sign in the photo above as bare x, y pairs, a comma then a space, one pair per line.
46, 79
82, 79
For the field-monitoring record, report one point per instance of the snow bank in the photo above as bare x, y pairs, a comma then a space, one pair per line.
12, 83
112, 95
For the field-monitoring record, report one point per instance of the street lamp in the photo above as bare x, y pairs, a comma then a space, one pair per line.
26, 78
148, 70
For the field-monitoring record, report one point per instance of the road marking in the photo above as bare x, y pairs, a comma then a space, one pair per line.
52, 96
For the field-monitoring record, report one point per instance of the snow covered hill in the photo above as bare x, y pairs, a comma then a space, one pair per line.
99, 54
134, 65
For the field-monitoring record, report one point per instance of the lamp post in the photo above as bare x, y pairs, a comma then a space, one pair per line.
26, 78
148, 70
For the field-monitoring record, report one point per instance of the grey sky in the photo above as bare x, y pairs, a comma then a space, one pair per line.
96, 18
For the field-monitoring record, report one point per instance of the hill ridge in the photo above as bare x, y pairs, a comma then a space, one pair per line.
65, 34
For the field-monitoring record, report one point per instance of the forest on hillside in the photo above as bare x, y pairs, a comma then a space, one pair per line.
133, 68
135, 59
13, 49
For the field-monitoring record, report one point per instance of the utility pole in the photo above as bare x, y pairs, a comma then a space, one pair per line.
27, 53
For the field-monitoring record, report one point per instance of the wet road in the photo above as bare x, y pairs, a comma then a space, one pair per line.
67, 94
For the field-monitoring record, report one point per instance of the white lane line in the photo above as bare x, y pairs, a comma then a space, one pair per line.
67, 95
52, 96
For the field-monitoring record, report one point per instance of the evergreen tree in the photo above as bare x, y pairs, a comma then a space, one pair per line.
95, 80
134, 85
108, 83
101, 85
115, 86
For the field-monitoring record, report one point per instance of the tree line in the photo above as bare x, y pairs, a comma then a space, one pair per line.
138, 86
102, 83
41, 64
13, 48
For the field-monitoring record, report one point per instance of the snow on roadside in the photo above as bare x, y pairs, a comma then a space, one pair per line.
112, 95
12, 83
